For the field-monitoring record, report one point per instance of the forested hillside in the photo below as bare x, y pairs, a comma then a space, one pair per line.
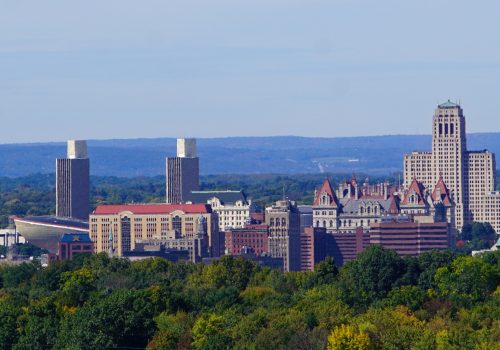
375, 155
35, 194
379, 301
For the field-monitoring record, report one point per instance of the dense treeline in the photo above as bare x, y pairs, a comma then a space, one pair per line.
379, 301
35, 194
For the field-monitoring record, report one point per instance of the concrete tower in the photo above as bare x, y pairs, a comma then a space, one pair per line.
183, 172
72, 182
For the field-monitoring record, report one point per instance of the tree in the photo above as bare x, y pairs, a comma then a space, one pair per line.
174, 332
477, 235
468, 280
9, 312
347, 337
410, 296
122, 319
13, 276
39, 325
391, 329
208, 333
371, 276
325, 272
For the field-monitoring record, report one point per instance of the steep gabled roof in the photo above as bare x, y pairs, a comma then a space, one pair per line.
415, 188
441, 193
326, 188
394, 204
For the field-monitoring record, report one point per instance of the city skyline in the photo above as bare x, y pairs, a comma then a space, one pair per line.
279, 68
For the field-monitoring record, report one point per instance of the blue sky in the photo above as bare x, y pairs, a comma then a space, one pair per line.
128, 69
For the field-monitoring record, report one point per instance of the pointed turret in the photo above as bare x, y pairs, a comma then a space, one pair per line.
441, 193
415, 194
325, 195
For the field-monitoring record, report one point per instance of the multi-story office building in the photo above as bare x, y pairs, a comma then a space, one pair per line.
72, 182
315, 246
183, 172
251, 236
233, 207
469, 175
410, 238
197, 246
117, 228
283, 220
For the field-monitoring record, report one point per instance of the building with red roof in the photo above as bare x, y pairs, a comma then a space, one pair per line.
116, 228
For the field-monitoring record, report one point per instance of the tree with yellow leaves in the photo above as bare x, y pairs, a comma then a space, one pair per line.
347, 337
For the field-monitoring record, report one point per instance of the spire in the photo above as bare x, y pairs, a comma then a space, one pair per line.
326, 189
110, 239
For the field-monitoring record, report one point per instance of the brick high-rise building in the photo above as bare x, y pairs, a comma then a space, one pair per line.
469, 175
72, 182
183, 172
283, 220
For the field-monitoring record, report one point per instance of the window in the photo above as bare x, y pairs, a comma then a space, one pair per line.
177, 224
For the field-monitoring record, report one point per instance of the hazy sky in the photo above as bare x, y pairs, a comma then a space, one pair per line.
122, 69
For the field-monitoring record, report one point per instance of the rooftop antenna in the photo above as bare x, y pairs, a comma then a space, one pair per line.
284, 192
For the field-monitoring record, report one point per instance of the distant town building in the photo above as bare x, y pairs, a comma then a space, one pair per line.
411, 222
131, 224
409, 238
251, 236
72, 244
315, 246
10, 237
72, 182
347, 245
233, 207
283, 220
45, 231
306, 217
353, 205
183, 172
469, 175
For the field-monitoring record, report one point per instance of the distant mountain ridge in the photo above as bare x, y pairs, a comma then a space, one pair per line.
376, 155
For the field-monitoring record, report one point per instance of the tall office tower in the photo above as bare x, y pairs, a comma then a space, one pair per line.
183, 172
469, 175
72, 182
283, 220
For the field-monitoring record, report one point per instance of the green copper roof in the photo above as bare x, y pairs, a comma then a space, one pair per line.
448, 104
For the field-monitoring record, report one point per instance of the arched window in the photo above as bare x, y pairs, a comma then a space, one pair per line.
277, 222
283, 222
324, 223
325, 199
350, 222
362, 210
362, 223
271, 222
375, 210
368, 210
317, 223
331, 223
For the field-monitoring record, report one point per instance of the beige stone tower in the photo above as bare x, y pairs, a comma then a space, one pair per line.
449, 153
